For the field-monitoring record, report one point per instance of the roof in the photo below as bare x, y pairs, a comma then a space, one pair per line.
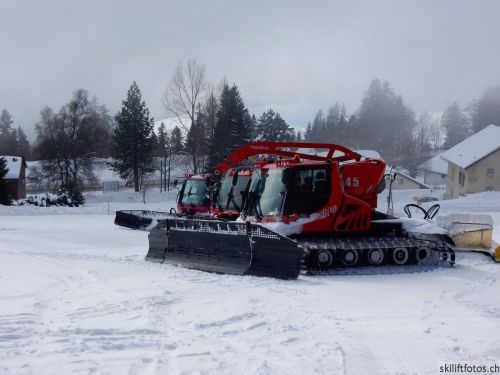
371, 154
473, 149
436, 164
389, 170
14, 166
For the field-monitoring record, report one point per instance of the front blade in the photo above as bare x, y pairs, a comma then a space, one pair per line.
139, 219
224, 247
273, 254
206, 245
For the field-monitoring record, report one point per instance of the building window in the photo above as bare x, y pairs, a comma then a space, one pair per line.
490, 172
461, 178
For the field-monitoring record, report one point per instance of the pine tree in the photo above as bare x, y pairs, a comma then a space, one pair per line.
163, 152
162, 140
254, 121
272, 127
23, 145
234, 126
299, 136
318, 128
195, 143
210, 116
8, 139
384, 122
335, 125
308, 133
331, 124
133, 139
486, 110
5, 195
176, 138
456, 124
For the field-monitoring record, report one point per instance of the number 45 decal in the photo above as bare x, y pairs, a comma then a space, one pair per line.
352, 182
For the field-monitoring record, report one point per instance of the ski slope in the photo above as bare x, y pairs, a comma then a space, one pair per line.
76, 297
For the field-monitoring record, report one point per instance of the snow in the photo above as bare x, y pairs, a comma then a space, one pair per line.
392, 170
458, 223
474, 148
420, 226
435, 164
371, 154
14, 164
294, 227
76, 297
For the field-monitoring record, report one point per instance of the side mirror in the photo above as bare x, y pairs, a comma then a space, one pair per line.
176, 182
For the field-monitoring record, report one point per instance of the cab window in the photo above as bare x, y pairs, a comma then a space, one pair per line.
308, 190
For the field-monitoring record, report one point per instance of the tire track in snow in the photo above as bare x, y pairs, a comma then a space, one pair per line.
70, 278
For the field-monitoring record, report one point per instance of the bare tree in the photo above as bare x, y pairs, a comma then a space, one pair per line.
68, 141
184, 92
436, 134
423, 133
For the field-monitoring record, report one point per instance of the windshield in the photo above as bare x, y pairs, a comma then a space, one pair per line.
225, 201
266, 193
194, 192
308, 190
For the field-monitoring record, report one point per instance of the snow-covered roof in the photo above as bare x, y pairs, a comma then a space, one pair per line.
389, 170
14, 164
476, 147
372, 154
435, 164
172, 122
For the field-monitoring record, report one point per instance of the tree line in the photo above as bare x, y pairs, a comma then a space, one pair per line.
385, 123
213, 121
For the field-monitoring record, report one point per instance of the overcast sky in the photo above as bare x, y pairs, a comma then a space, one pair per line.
296, 56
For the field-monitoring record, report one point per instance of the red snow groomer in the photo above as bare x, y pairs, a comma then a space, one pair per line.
194, 195
310, 211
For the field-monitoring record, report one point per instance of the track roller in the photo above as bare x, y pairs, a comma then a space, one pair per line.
375, 257
400, 256
349, 258
422, 254
323, 259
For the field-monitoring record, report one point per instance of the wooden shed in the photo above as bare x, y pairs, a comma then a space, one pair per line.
16, 175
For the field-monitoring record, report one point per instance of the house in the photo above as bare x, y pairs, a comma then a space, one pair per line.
404, 181
435, 171
474, 164
16, 175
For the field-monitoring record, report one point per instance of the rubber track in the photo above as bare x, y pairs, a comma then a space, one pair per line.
441, 253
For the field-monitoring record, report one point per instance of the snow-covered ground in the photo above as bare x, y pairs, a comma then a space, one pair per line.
76, 297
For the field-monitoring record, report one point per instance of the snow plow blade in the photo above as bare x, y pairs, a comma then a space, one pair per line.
224, 247
138, 219
471, 232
